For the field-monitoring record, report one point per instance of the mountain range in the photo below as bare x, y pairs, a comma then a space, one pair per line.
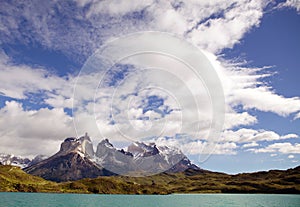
77, 159
77, 168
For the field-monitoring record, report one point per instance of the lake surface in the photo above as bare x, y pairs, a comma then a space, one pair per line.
176, 200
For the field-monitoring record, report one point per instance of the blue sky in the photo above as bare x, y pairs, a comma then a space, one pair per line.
252, 45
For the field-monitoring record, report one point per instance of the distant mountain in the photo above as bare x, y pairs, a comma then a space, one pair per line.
77, 159
174, 159
141, 159
7, 159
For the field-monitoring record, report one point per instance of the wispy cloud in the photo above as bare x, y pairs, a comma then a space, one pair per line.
212, 25
297, 116
290, 3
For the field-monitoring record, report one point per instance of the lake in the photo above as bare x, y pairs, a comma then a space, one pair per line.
175, 200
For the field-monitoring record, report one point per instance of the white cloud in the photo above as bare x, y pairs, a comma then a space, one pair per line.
19, 81
262, 98
247, 89
297, 116
204, 148
234, 119
23, 82
224, 32
244, 135
101, 20
175, 84
289, 136
291, 3
233, 19
251, 144
26, 132
284, 148
115, 7
245, 86
59, 101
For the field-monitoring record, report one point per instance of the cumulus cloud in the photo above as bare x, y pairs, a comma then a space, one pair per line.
251, 144
27, 132
234, 119
23, 82
58, 101
291, 156
19, 81
284, 148
289, 136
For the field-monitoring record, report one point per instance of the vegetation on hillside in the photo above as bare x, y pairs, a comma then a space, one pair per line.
13, 179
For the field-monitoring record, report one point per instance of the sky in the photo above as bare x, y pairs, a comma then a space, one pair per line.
70, 67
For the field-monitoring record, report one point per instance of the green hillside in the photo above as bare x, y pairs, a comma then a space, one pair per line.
274, 181
13, 179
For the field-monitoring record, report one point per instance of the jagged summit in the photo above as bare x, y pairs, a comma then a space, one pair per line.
82, 146
73, 161
106, 143
142, 149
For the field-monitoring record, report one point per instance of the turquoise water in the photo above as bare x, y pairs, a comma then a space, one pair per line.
177, 200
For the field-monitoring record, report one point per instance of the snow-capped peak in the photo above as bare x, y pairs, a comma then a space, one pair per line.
140, 149
10, 159
83, 146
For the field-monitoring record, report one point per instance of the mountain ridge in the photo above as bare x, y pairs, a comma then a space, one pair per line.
77, 159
